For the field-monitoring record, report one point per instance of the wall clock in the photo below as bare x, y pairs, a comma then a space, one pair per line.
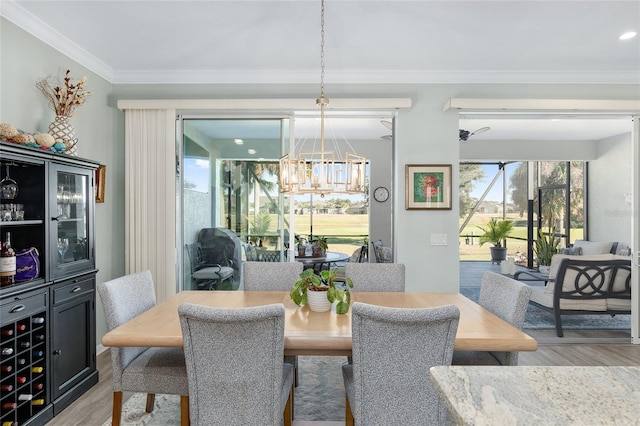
381, 194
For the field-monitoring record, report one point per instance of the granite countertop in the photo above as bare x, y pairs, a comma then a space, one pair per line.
479, 395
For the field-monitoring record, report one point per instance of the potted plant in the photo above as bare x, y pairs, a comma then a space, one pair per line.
546, 245
320, 291
495, 232
319, 246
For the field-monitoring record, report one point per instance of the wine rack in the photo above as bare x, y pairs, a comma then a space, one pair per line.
24, 363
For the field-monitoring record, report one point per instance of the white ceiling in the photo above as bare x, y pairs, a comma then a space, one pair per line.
367, 41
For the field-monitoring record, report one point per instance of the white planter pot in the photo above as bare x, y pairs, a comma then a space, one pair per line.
318, 301
544, 269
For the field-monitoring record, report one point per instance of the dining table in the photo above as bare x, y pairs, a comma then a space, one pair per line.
317, 262
320, 333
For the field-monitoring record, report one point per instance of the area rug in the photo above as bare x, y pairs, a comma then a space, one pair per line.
320, 396
539, 319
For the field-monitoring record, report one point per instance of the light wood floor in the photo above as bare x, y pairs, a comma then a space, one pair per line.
94, 407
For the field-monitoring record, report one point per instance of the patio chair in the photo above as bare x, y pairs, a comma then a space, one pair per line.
206, 275
382, 253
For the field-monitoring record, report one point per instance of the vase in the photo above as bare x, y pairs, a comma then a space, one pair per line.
318, 301
61, 129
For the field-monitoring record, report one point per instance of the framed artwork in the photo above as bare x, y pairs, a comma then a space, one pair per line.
101, 181
428, 186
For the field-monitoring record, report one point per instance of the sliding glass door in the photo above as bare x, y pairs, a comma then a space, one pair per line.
231, 209
231, 206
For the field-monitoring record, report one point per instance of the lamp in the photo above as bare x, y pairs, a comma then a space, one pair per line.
324, 171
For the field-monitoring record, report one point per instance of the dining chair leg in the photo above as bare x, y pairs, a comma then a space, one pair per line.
116, 412
349, 421
184, 410
151, 400
288, 409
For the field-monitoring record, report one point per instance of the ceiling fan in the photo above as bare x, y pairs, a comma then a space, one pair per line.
389, 125
465, 134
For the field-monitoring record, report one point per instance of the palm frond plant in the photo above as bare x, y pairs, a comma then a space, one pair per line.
495, 231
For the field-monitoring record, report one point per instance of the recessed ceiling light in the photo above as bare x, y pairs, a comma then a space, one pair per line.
628, 35
251, 151
238, 141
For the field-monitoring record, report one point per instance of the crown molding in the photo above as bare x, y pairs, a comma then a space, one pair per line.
372, 77
41, 30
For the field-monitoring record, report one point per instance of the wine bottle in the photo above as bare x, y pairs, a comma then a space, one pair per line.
37, 320
7, 262
6, 388
25, 345
9, 405
7, 332
37, 370
7, 351
21, 361
38, 354
25, 397
9, 424
6, 368
21, 327
39, 337
21, 379
37, 402
38, 386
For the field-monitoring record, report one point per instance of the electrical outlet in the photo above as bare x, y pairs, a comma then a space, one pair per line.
438, 239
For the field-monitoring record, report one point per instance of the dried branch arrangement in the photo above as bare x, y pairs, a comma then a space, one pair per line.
64, 98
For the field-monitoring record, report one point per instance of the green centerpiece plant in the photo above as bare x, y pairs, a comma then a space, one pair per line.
327, 283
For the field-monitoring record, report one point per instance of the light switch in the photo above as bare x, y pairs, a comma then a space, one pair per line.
438, 239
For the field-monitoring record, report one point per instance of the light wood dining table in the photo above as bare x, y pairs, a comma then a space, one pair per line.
320, 333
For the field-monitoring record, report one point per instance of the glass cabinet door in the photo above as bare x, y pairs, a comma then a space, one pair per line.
72, 237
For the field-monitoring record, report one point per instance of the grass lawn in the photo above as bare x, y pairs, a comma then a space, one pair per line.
349, 231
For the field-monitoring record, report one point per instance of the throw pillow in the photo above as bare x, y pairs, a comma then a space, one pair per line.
574, 251
593, 247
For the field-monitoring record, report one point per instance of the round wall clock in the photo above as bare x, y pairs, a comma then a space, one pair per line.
381, 194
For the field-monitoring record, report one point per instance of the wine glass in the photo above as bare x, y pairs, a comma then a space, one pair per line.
9, 187
63, 246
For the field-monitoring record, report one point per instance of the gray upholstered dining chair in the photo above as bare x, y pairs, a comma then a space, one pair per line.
508, 299
270, 276
273, 276
234, 365
393, 350
376, 276
148, 370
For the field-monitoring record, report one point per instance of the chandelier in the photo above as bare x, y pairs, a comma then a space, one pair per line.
322, 171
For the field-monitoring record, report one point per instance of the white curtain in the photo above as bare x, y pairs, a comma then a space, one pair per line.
150, 219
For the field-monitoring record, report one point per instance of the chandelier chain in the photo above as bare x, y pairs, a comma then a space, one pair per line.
322, 50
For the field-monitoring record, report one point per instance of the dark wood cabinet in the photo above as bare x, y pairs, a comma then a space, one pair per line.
48, 322
73, 339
